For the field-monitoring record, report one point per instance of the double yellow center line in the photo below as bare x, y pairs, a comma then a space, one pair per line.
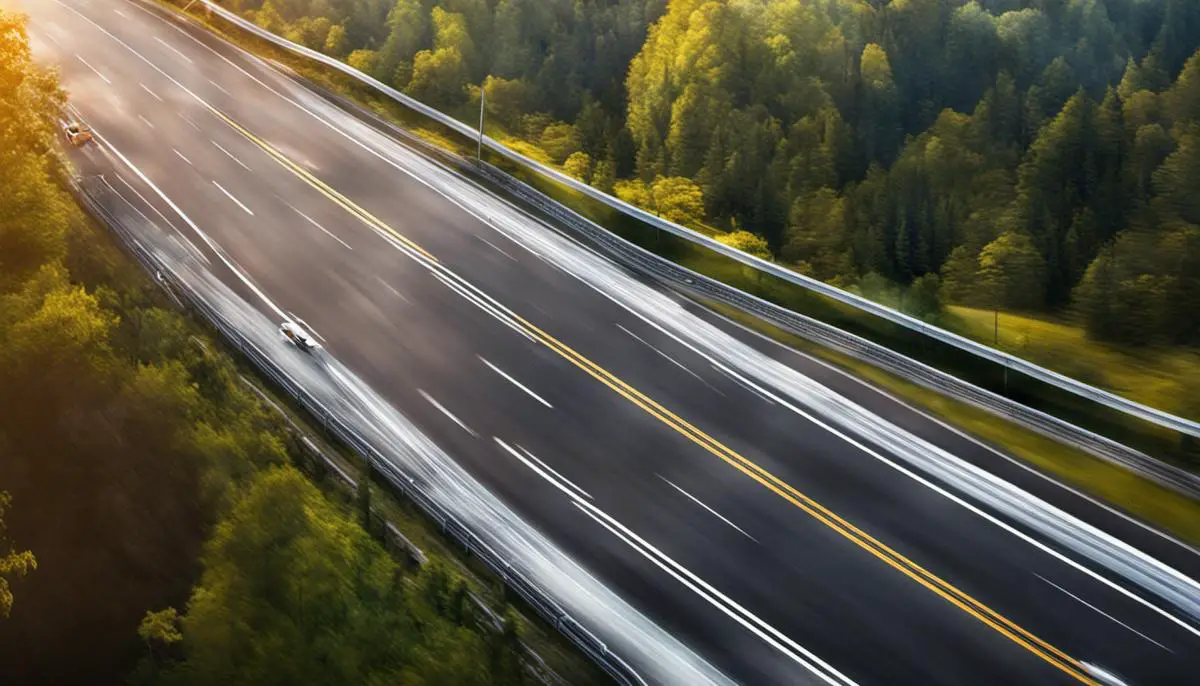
820, 513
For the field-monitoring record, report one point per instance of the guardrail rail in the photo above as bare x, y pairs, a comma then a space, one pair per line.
628, 252
92, 194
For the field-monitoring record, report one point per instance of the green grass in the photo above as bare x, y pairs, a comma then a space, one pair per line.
1157, 378
1163, 378
1140, 497
1160, 379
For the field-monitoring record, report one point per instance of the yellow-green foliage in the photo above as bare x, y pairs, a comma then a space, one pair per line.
1166, 379
1145, 499
128, 436
747, 243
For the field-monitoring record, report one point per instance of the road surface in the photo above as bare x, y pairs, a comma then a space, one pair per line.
777, 516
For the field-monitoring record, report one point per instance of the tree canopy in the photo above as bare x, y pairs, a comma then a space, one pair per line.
128, 438
855, 137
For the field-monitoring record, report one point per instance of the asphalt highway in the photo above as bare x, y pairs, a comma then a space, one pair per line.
777, 524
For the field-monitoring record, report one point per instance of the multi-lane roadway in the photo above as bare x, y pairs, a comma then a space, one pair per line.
786, 522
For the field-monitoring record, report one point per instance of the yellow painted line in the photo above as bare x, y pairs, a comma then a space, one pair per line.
942, 588
922, 576
338, 199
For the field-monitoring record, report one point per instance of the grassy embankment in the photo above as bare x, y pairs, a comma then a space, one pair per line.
1138, 496
1163, 378
1158, 378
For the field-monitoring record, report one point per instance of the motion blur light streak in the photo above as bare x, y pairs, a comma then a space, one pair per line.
822, 456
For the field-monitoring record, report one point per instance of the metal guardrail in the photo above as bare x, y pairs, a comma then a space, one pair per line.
678, 276
1013, 363
93, 199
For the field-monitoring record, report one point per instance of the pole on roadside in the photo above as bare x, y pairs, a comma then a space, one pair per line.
482, 106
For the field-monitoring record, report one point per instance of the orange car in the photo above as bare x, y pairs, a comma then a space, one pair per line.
77, 134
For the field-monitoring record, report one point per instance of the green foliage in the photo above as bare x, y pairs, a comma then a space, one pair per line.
1143, 289
508, 99
160, 628
1010, 271
559, 141
1178, 178
816, 235
335, 41
678, 199
898, 138
924, 298
13, 564
363, 499
579, 165
440, 75
365, 61
747, 243
674, 198
126, 435
294, 591
36, 211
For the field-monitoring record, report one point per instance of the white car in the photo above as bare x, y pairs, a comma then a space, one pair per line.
298, 337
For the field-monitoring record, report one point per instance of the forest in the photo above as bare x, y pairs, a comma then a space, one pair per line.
1033, 156
153, 526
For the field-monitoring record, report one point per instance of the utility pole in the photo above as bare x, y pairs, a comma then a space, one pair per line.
482, 106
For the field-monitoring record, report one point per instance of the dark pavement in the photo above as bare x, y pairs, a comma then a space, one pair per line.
743, 520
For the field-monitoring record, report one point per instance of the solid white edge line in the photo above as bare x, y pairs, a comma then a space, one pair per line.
953, 429
230, 155
555, 472
449, 415
95, 70
561, 483
199, 253
455, 202
474, 300
1004, 526
123, 198
514, 382
191, 224
181, 156
711, 511
537, 470
230, 196
1084, 602
760, 628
